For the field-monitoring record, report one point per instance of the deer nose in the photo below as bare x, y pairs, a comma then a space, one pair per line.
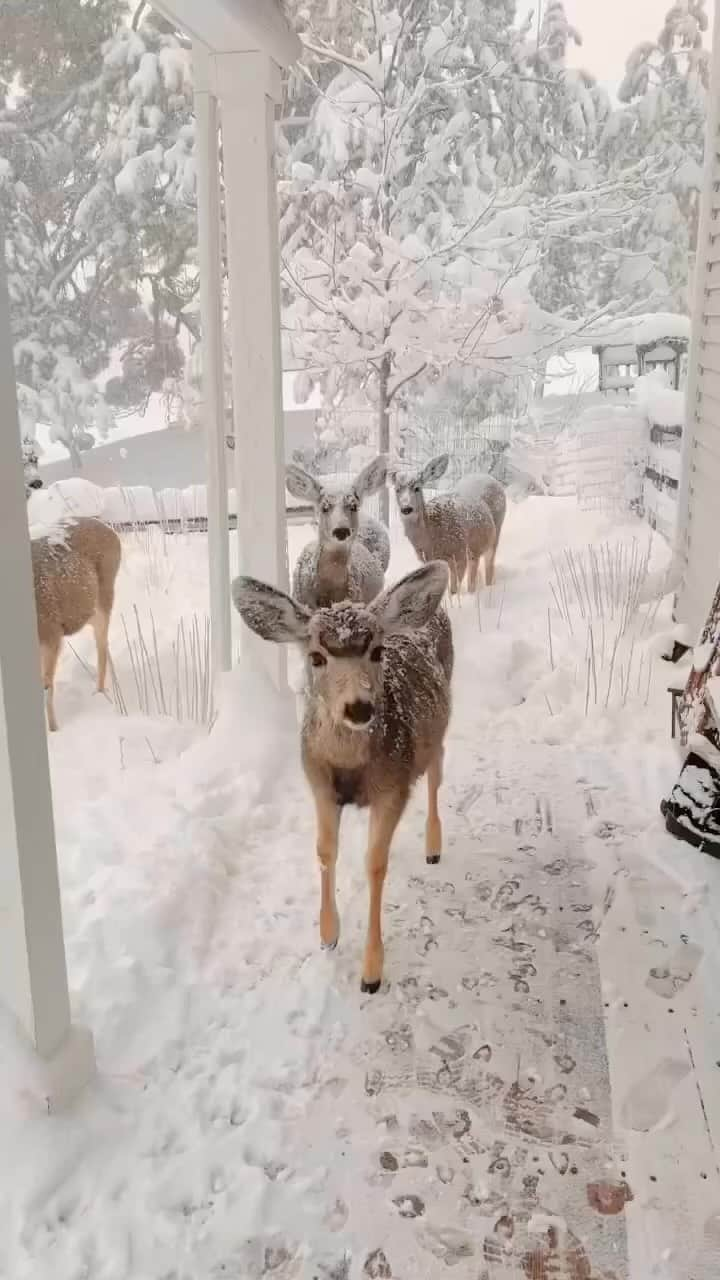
406, 511
359, 712
341, 534
36, 484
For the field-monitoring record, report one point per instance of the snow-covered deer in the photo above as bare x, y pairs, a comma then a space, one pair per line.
478, 486
74, 569
377, 709
458, 530
348, 559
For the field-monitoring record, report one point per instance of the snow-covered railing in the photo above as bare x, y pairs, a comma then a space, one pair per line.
135, 506
664, 409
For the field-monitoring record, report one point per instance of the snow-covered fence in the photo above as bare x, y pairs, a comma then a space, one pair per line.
550, 462
665, 411
133, 506
473, 443
611, 454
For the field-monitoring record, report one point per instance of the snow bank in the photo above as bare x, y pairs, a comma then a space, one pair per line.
74, 497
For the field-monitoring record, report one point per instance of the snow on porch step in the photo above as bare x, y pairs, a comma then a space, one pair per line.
470, 1116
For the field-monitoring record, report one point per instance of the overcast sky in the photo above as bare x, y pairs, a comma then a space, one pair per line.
610, 29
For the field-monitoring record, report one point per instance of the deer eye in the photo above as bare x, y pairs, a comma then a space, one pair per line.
376, 653
351, 504
317, 659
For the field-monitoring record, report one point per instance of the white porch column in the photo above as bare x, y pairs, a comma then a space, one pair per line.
248, 86
33, 977
213, 371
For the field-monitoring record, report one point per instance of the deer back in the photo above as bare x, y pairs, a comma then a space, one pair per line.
325, 576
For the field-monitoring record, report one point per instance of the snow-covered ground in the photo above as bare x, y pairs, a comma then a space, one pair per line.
535, 1092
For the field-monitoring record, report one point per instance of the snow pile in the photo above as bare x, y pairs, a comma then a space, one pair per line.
73, 497
663, 405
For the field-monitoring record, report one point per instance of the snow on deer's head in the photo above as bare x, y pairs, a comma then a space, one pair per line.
337, 509
344, 644
409, 487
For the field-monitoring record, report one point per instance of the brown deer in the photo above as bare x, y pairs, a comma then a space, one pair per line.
348, 559
476, 487
457, 530
377, 709
74, 569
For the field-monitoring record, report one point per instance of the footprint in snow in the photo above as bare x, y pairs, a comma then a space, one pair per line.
647, 1105
667, 980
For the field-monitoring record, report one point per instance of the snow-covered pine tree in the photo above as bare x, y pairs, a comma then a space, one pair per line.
664, 95
97, 193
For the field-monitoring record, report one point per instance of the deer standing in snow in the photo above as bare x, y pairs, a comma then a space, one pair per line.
74, 570
458, 530
377, 709
348, 559
476, 487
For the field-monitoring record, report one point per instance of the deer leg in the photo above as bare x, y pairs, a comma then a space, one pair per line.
328, 826
101, 625
473, 566
49, 654
385, 813
433, 828
490, 566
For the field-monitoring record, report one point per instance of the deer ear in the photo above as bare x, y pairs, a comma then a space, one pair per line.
412, 601
301, 484
372, 477
434, 469
268, 612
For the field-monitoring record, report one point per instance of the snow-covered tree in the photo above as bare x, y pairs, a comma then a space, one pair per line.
663, 117
436, 157
97, 195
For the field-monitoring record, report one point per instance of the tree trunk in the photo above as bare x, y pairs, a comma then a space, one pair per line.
384, 432
75, 454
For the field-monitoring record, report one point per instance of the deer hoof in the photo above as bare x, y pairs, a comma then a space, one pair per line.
328, 946
433, 859
370, 988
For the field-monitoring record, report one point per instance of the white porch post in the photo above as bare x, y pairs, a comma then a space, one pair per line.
248, 86
213, 371
33, 977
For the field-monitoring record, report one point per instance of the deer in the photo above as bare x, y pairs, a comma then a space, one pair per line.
376, 714
75, 565
479, 486
457, 530
348, 559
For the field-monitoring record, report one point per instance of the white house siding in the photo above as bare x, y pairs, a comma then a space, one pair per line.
699, 514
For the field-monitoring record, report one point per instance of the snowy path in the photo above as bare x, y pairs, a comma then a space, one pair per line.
534, 1093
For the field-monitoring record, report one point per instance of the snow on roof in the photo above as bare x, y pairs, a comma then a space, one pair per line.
639, 331
235, 25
